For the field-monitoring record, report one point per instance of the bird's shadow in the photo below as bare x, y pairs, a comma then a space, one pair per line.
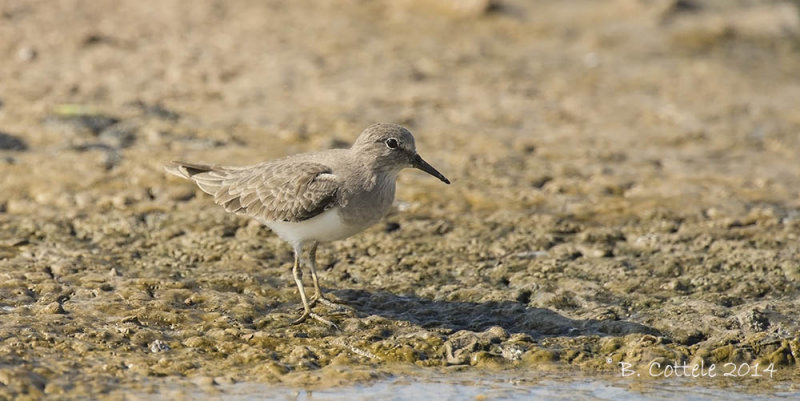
514, 317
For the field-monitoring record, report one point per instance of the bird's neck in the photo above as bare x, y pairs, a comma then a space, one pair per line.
370, 181
371, 172
370, 199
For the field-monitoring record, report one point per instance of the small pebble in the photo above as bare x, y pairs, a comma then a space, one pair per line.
159, 346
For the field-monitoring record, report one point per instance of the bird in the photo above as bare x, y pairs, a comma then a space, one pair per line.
313, 198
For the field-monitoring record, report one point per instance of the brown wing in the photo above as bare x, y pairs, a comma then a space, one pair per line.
274, 191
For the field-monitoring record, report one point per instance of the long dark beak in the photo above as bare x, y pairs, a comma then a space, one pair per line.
417, 162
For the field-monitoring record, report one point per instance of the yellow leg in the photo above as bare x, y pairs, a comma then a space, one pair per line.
318, 295
298, 280
312, 258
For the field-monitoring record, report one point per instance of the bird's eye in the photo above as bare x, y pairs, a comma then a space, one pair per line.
391, 143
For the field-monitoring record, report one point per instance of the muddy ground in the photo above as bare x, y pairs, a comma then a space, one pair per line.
626, 187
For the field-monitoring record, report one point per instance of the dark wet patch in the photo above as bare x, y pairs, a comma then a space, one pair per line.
11, 142
120, 135
80, 123
155, 110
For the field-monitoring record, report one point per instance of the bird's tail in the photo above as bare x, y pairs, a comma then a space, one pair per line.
187, 170
208, 177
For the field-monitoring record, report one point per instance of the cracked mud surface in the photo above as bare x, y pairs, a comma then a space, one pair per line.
625, 188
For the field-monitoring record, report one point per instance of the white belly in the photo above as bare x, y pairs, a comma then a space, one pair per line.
324, 227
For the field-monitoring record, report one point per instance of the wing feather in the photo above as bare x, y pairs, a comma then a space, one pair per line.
273, 191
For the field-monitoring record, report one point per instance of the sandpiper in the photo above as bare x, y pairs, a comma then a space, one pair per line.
317, 197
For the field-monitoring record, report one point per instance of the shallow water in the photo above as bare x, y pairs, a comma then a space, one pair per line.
502, 388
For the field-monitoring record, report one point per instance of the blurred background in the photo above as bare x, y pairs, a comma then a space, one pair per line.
502, 94
623, 161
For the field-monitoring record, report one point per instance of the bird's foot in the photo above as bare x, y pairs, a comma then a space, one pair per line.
325, 301
323, 320
302, 317
308, 314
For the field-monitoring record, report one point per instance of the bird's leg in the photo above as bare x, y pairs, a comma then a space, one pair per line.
318, 295
296, 273
312, 259
306, 307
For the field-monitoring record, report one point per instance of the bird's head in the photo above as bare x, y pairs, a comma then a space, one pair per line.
392, 147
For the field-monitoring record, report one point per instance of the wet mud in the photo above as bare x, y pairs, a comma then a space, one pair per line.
625, 189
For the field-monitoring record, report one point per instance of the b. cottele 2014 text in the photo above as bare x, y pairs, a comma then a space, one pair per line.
729, 369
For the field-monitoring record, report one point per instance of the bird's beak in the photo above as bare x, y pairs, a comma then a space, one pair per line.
417, 162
